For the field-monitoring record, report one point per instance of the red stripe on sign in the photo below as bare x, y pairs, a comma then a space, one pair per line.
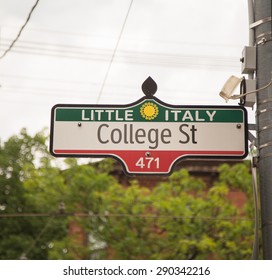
147, 161
110, 152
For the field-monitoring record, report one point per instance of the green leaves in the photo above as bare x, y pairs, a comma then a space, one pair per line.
89, 215
236, 176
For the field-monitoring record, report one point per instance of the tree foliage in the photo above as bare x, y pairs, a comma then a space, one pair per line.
178, 219
17, 233
88, 214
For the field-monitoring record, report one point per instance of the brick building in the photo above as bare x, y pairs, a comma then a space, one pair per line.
205, 169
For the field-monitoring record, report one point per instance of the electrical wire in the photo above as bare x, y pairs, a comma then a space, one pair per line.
51, 80
75, 49
111, 215
24, 254
20, 31
238, 96
46, 91
97, 54
255, 250
91, 215
130, 39
113, 55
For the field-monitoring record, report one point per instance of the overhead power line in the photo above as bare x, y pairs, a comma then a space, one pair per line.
25, 254
129, 38
20, 31
129, 56
116, 215
114, 52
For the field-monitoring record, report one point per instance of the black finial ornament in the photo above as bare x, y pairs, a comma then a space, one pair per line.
149, 87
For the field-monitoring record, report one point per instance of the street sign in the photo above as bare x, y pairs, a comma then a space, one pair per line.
148, 136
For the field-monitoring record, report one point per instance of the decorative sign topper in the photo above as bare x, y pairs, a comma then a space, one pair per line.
148, 136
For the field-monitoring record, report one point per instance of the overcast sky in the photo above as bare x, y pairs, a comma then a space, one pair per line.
188, 47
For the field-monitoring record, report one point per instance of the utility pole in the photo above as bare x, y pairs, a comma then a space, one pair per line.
263, 42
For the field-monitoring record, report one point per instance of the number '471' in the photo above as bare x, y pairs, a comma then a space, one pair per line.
148, 162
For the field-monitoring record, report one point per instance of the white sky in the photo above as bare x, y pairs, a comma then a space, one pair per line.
188, 47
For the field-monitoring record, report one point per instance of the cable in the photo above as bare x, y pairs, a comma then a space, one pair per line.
144, 216
152, 61
20, 31
255, 250
75, 49
98, 54
24, 254
253, 91
50, 80
238, 96
114, 52
129, 39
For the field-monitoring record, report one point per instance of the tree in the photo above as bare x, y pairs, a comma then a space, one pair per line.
45, 193
85, 183
81, 212
14, 154
38, 200
123, 225
179, 219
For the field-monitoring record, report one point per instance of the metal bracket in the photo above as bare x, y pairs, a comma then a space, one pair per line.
259, 22
255, 161
252, 126
263, 38
251, 137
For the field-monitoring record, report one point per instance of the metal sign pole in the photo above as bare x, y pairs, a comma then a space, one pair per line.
263, 41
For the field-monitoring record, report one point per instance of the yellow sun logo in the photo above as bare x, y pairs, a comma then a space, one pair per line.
149, 111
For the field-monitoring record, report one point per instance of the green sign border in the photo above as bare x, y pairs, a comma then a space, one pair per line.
223, 114
227, 118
